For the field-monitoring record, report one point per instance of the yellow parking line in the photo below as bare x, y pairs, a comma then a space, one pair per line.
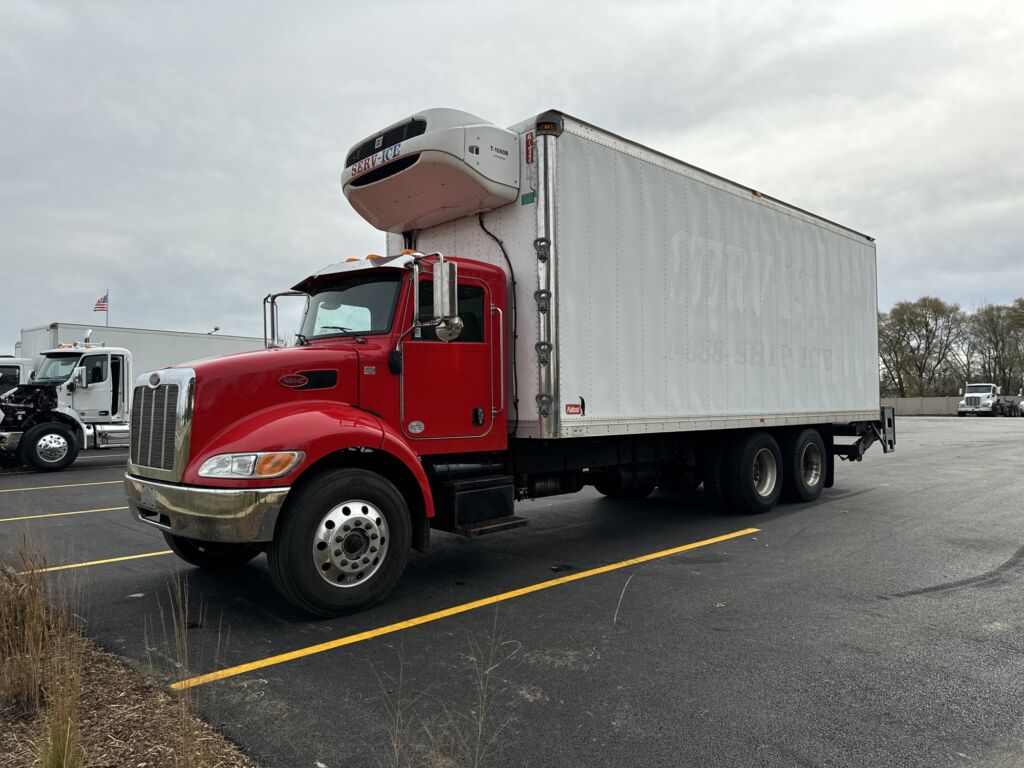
52, 568
60, 514
48, 487
270, 661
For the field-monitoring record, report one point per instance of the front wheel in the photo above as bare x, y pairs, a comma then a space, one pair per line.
48, 447
342, 543
212, 555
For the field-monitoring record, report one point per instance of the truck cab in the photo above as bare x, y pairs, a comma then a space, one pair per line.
986, 400
79, 398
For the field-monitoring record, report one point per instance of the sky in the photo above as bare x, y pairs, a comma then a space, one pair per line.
186, 155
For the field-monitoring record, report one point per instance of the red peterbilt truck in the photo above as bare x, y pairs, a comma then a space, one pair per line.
558, 307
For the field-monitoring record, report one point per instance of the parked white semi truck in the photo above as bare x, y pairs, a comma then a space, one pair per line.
80, 394
986, 400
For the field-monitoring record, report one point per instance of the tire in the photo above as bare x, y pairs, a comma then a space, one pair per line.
804, 464
322, 573
48, 447
960, 413
713, 464
213, 555
755, 473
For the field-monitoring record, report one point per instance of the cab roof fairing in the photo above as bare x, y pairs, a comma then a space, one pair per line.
402, 261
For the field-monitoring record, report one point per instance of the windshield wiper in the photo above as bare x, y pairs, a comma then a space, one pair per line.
336, 327
303, 341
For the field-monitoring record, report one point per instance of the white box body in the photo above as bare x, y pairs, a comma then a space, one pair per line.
678, 300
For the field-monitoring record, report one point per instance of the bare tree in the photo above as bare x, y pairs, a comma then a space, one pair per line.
916, 342
998, 339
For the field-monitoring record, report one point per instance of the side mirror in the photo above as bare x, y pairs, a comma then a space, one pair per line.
960, 391
31, 375
999, 390
446, 301
79, 379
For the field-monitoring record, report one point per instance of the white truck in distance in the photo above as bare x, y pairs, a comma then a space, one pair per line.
986, 400
77, 399
79, 396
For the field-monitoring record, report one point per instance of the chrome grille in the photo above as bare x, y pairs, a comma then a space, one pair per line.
154, 416
973, 400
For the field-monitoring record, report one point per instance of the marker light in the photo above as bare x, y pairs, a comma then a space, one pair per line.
260, 465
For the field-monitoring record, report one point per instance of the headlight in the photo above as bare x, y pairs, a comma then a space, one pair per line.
272, 464
962, 402
987, 402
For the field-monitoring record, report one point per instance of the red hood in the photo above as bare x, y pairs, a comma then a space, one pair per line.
232, 387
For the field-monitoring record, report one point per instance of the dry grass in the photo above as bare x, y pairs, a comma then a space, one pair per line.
64, 703
453, 736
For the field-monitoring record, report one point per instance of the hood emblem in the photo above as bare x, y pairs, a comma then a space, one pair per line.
293, 381
154, 379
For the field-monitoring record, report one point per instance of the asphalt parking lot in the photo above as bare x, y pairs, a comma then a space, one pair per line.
879, 626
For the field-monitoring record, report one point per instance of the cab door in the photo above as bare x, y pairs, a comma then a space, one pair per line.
92, 401
447, 387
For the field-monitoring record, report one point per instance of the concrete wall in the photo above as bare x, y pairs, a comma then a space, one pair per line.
925, 406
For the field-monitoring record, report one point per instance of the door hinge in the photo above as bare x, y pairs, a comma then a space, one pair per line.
543, 299
543, 247
543, 352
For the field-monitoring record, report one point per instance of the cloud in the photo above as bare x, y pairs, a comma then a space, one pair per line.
187, 155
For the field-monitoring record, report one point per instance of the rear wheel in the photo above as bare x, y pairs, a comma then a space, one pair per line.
713, 470
210, 554
755, 473
342, 543
804, 462
48, 447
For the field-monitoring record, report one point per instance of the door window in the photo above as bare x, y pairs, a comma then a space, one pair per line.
95, 368
471, 310
8, 376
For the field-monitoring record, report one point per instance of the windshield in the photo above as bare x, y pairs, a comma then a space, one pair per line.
357, 306
57, 367
979, 389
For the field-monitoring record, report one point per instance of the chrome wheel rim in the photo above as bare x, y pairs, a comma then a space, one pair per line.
350, 543
766, 472
810, 465
52, 447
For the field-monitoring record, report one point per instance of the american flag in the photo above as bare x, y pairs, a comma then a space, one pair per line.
102, 303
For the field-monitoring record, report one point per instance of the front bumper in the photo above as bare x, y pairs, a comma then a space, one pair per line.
229, 515
984, 410
9, 441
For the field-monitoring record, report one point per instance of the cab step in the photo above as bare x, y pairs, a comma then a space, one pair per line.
490, 526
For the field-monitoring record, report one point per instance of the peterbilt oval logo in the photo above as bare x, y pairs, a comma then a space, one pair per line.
154, 379
293, 380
